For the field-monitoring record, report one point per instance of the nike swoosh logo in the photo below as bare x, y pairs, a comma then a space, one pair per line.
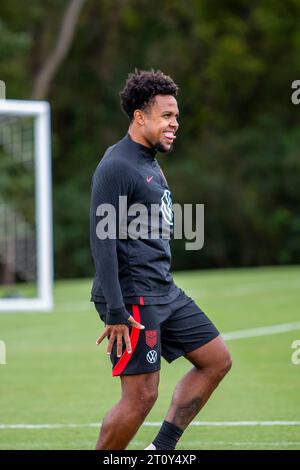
149, 178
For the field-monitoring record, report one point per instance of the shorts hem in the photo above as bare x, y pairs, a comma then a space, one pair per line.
135, 373
193, 348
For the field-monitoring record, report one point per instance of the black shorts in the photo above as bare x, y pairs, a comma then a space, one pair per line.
171, 331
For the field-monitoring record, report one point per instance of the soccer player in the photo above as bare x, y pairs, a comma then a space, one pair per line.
146, 315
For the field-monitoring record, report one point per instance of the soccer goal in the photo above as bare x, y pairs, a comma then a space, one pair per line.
26, 252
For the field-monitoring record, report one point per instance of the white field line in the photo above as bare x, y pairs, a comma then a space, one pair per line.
246, 444
230, 291
153, 424
275, 285
139, 445
262, 331
234, 423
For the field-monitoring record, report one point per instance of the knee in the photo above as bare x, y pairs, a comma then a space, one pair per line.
140, 392
217, 370
149, 397
224, 365
145, 400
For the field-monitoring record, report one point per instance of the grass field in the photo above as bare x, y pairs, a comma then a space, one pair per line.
55, 375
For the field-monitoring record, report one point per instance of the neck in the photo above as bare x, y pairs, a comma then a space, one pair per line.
137, 137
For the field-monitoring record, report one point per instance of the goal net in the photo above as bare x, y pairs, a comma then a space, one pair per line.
26, 259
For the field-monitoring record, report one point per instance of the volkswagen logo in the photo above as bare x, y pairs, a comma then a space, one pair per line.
152, 356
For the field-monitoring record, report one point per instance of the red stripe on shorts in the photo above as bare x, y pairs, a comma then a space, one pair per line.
134, 337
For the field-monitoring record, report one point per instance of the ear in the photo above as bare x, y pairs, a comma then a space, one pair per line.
139, 117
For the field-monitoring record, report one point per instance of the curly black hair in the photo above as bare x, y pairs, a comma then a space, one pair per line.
141, 88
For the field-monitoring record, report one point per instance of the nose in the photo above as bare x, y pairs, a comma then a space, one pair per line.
175, 123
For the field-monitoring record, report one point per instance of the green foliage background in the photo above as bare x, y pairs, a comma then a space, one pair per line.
238, 146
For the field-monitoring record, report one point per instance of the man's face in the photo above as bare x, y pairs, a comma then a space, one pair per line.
160, 123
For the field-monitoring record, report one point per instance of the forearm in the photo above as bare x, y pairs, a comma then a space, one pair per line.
106, 262
109, 182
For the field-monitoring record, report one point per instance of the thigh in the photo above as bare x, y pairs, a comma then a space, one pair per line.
146, 344
187, 329
210, 355
135, 386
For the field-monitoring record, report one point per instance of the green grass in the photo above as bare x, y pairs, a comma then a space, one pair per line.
55, 373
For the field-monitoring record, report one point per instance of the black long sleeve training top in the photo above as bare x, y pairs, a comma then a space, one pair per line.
132, 270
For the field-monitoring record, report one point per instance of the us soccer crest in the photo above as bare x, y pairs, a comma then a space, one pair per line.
151, 338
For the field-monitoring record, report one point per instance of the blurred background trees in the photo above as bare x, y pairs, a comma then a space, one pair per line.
238, 149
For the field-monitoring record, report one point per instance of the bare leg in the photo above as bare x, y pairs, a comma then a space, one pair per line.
212, 361
139, 393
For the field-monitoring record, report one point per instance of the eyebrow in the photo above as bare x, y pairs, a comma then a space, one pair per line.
170, 112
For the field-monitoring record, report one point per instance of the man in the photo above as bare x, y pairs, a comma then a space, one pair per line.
145, 313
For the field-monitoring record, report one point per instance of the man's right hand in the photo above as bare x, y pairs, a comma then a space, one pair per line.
117, 333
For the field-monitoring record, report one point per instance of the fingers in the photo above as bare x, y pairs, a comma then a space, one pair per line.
110, 343
119, 345
135, 323
101, 338
127, 342
119, 339
117, 334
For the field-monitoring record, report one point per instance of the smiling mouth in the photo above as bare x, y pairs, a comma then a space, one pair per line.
169, 136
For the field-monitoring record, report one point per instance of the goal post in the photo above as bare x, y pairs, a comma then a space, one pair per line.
26, 247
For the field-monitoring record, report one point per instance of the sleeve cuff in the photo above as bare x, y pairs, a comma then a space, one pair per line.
117, 316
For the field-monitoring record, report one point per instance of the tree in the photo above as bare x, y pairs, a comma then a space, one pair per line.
62, 46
